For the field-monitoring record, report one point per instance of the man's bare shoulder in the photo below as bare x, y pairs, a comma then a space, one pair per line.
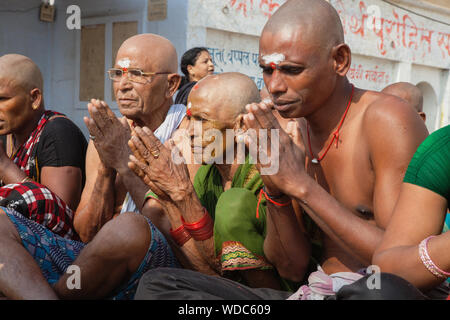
383, 112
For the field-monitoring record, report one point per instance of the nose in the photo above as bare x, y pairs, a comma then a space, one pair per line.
275, 83
124, 83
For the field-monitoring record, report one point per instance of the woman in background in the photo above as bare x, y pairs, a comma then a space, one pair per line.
196, 63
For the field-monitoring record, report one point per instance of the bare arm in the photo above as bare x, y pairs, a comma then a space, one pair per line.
172, 182
65, 181
111, 141
283, 231
286, 244
165, 215
9, 172
97, 200
419, 213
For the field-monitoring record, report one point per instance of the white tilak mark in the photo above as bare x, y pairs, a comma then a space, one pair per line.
276, 58
124, 63
189, 105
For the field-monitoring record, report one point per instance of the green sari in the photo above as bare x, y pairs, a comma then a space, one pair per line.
238, 233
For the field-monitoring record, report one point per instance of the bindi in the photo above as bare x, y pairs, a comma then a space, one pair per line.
124, 63
188, 110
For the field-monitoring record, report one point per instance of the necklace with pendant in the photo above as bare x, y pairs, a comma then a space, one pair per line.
335, 134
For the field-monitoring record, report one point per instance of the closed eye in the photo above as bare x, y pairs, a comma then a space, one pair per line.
291, 69
197, 118
266, 70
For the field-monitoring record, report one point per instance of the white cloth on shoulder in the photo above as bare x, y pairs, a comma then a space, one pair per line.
173, 120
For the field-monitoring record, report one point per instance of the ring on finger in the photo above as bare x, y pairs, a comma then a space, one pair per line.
155, 153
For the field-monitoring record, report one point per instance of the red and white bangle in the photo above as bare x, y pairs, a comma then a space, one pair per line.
428, 263
202, 229
180, 235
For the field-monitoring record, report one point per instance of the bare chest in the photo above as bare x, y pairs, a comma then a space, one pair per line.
346, 172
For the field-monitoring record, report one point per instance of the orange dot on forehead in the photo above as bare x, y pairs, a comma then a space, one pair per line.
124, 69
195, 87
273, 65
188, 112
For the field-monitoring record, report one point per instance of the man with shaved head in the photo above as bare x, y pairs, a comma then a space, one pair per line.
409, 92
144, 79
114, 253
224, 200
347, 172
41, 177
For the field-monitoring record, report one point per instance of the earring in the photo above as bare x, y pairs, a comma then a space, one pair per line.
35, 106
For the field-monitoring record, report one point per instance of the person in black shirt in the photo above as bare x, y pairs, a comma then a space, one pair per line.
37, 144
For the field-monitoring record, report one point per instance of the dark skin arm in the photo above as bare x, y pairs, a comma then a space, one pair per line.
173, 183
65, 182
97, 200
418, 214
165, 215
111, 142
352, 233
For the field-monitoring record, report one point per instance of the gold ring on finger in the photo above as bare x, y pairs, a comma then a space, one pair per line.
155, 153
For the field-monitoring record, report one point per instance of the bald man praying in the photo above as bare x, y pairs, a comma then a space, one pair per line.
224, 201
113, 253
345, 172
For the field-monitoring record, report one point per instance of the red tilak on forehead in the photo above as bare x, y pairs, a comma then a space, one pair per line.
124, 69
188, 112
273, 65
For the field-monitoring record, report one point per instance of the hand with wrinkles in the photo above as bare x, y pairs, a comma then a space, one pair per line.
109, 134
152, 162
291, 155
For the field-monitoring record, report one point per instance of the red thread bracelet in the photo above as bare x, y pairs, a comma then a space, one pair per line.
180, 235
202, 229
262, 192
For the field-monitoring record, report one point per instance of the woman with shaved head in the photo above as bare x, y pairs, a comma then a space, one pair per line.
35, 150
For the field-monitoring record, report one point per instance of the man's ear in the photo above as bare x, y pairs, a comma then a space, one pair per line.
423, 116
173, 81
342, 57
36, 98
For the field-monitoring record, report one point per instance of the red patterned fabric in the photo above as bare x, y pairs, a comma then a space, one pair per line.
24, 158
38, 203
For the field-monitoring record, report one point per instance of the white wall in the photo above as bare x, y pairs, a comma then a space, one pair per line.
388, 43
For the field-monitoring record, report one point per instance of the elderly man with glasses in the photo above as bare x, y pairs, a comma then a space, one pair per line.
114, 253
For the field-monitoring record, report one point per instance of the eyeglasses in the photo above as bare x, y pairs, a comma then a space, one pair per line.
134, 75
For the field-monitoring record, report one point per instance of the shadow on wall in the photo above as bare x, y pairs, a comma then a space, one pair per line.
430, 106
